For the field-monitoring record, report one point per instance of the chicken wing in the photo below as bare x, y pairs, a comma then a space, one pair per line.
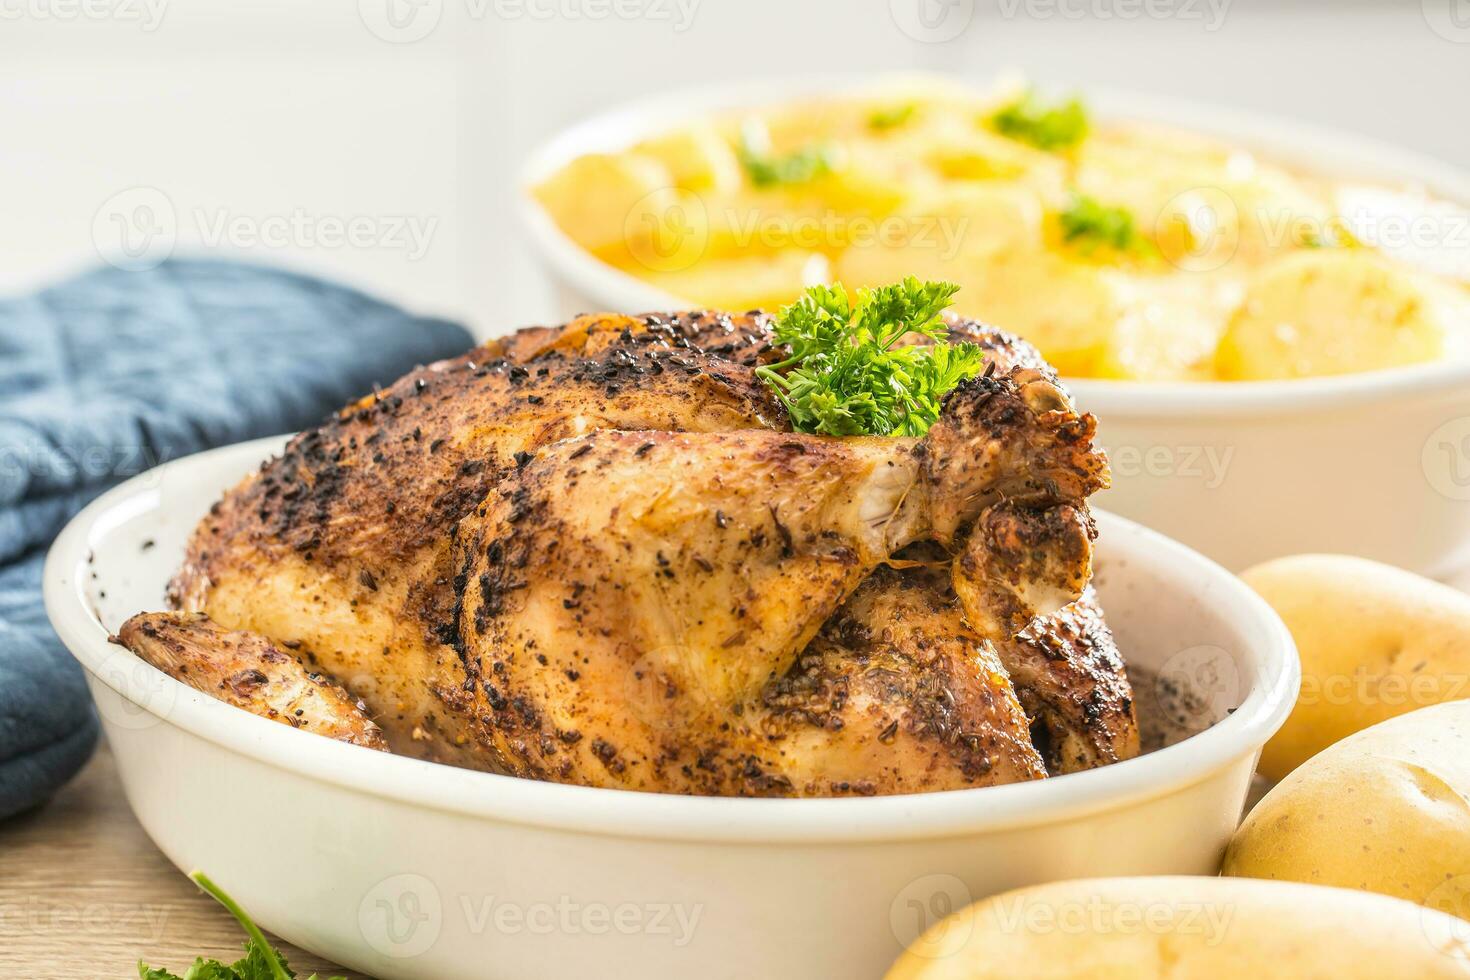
245, 670
1070, 679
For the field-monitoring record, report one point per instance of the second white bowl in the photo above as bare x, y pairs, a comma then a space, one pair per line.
1374, 464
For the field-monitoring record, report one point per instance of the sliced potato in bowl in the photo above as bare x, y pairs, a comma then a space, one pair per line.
1167, 333
697, 157
1336, 311
597, 197
774, 279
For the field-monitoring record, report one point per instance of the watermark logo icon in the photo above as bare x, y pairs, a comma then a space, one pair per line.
401, 916
667, 232
924, 903
932, 21
1450, 19
1449, 933
400, 21
1446, 459
149, 694
135, 229
1198, 230
1198, 685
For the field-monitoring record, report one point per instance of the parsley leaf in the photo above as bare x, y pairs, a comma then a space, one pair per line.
260, 961
893, 117
144, 973
1090, 225
1054, 126
849, 372
767, 169
1333, 234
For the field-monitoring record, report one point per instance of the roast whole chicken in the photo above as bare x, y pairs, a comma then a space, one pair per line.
598, 554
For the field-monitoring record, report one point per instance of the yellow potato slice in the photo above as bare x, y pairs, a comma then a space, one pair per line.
1337, 310
1068, 309
697, 156
597, 198
745, 283
946, 231
1207, 205
1170, 329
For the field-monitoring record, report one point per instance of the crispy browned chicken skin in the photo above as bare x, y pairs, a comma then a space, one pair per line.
597, 554
248, 671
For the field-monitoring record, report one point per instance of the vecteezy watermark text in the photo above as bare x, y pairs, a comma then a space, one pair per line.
36, 916
566, 917
1208, 465
138, 228
402, 917
672, 235
937, 21
407, 21
147, 14
1098, 916
298, 228
1210, 14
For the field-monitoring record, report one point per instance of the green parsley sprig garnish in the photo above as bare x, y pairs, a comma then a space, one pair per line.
893, 117
1333, 234
767, 169
1046, 126
1090, 225
260, 961
850, 371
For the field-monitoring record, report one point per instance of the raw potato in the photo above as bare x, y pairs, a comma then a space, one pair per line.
1187, 929
1384, 811
1375, 642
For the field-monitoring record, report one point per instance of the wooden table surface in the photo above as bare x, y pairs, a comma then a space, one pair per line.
84, 894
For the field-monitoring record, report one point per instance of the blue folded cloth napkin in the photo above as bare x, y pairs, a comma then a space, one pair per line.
115, 371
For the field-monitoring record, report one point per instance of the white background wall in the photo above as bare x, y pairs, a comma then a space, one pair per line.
250, 116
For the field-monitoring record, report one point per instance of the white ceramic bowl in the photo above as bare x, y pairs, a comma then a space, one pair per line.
405, 869
1374, 464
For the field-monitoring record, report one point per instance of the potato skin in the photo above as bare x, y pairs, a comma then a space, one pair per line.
1187, 928
1375, 642
1385, 810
